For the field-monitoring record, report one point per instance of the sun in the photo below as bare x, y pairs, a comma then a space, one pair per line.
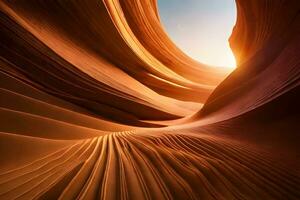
201, 29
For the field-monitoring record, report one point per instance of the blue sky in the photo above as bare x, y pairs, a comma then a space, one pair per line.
201, 28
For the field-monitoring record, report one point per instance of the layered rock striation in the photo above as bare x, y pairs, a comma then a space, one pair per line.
96, 102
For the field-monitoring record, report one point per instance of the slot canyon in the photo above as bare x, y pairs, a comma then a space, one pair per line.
97, 102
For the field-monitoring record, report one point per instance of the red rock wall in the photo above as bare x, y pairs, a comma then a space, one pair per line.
96, 102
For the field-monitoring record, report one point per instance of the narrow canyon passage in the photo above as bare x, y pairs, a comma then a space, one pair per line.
97, 102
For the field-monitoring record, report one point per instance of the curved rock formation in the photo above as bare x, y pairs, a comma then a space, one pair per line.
97, 102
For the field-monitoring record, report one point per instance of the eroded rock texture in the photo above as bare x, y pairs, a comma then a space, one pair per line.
96, 102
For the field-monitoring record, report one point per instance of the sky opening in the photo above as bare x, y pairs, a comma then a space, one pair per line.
201, 28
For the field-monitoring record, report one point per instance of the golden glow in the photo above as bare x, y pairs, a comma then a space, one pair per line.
223, 57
